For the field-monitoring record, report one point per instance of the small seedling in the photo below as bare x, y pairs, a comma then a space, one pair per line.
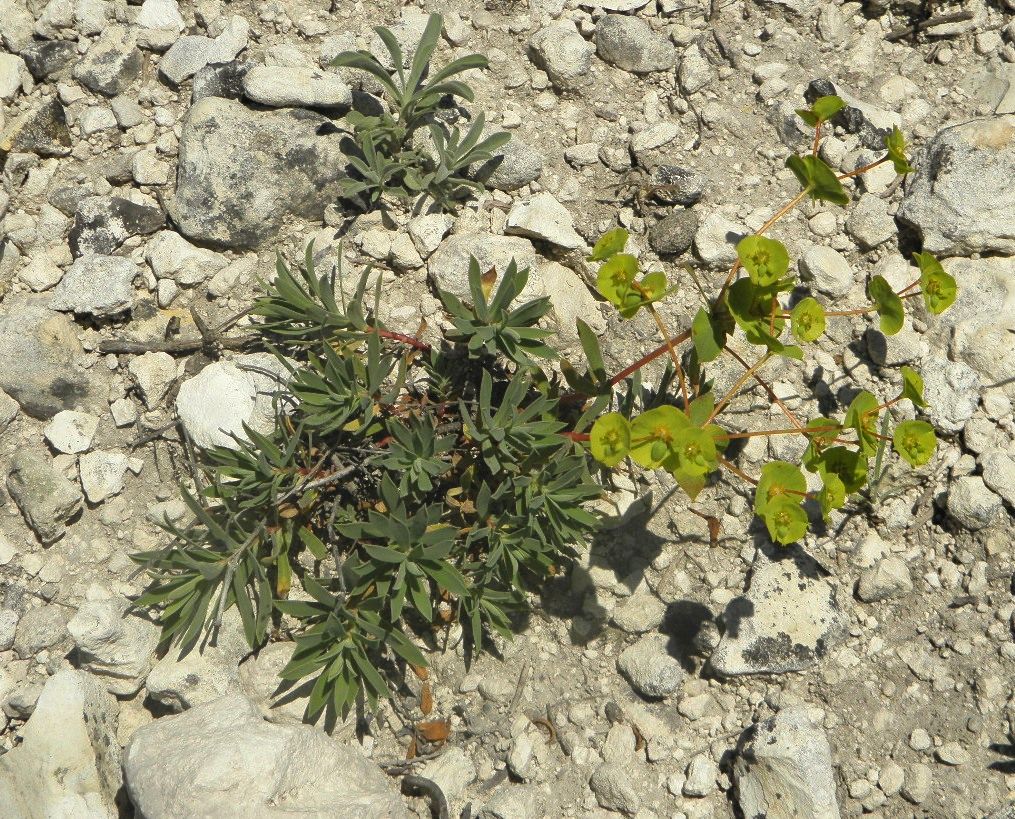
386, 161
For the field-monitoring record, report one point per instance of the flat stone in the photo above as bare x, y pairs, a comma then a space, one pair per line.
542, 217
45, 497
71, 432
783, 767
650, 668
191, 53
789, 618
827, 270
449, 265
97, 286
242, 172
103, 223
161, 14
630, 44
273, 771
46, 57
40, 130
961, 198
38, 348
102, 474
173, 257
112, 63
283, 86
40, 274
888, 580
153, 374
38, 629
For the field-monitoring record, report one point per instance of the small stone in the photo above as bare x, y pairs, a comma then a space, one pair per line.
919, 740
655, 136
112, 63
702, 773
563, 54
448, 266
827, 269
102, 474
888, 580
8, 411
614, 789
161, 14
148, 169
891, 778
71, 432
8, 628
45, 497
951, 753
513, 166
38, 629
281, 86
47, 57
173, 257
999, 474
191, 53
428, 230
695, 70
869, 222
40, 130
95, 120
919, 780
543, 217
639, 613
153, 374
716, 240
674, 234
971, 503
103, 223
40, 274
11, 69
650, 668
124, 412
96, 285
630, 44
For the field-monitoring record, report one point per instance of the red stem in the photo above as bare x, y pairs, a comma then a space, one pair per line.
645, 359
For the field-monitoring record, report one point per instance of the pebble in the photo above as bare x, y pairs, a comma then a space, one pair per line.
702, 773
650, 668
96, 285
630, 44
828, 269
102, 474
543, 217
71, 432
280, 87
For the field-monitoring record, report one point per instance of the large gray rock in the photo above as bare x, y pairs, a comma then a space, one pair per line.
516, 164
96, 286
629, 43
37, 349
112, 63
222, 759
783, 768
44, 496
788, 619
242, 172
40, 130
961, 198
68, 763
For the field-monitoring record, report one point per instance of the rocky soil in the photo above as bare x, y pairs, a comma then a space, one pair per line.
157, 156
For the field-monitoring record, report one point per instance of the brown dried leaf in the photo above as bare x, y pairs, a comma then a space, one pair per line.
437, 731
426, 700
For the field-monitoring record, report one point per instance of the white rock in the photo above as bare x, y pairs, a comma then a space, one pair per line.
102, 474
952, 389
117, 648
148, 169
448, 266
96, 119
428, 230
41, 273
827, 269
299, 87
453, 771
70, 431
972, 504
68, 763
614, 789
565, 56
784, 767
161, 14
12, 68
716, 240
172, 256
888, 580
702, 773
570, 300
223, 759
999, 474
123, 411
153, 374
96, 285
650, 668
8, 627
216, 402
191, 53
543, 217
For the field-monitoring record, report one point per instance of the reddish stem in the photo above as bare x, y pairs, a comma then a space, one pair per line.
646, 359
404, 339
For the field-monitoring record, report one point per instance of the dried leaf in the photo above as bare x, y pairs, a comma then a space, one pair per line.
437, 731
426, 700
487, 280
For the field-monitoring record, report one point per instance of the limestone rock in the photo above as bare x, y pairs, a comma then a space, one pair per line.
41, 130
449, 265
44, 496
173, 257
650, 668
97, 286
71, 432
542, 217
783, 768
260, 769
788, 619
112, 63
103, 223
961, 198
68, 763
284, 86
630, 44
241, 172
563, 54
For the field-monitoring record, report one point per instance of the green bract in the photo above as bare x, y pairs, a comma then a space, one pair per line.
817, 179
807, 320
895, 144
821, 110
609, 243
888, 305
912, 386
848, 465
708, 339
765, 260
777, 499
915, 442
862, 417
937, 286
832, 494
653, 435
610, 438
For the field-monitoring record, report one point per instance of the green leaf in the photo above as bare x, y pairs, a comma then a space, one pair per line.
832, 494
821, 110
888, 305
610, 439
313, 543
708, 339
915, 442
895, 144
609, 244
656, 426
817, 179
615, 278
938, 287
912, 386
701, 409
765, 260
785, 519
778, 479
807, 320
693, 451
862, 417
846, 464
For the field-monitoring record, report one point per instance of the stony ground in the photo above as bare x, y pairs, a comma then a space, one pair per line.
155, 158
